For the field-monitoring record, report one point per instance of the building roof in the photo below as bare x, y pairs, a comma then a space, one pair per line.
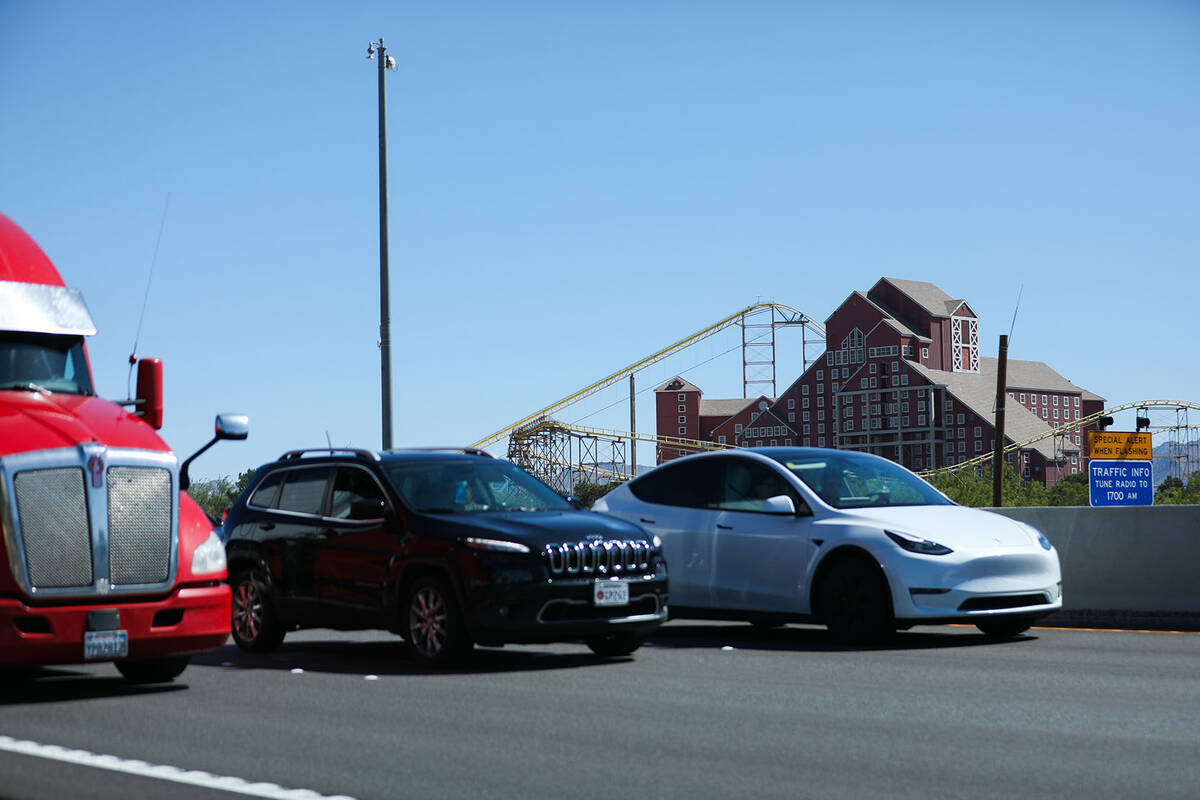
728, 408
928, 296
1035, 375
978, 392
684, 386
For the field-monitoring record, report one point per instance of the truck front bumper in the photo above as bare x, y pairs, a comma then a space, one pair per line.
190, 620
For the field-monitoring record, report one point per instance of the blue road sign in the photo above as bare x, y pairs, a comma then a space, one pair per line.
1121, 483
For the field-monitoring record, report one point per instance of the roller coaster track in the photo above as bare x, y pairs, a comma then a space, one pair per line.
790, 317
1065, 429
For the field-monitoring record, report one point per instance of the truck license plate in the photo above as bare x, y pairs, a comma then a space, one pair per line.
99, 645
611, 593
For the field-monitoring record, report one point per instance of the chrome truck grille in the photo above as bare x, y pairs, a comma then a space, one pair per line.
609, 557
90, 520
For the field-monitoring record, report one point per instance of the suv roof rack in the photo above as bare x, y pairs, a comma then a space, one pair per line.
470, 451
312, 451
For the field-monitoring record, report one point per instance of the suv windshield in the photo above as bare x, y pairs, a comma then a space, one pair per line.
440, 487
43, 362
855, 481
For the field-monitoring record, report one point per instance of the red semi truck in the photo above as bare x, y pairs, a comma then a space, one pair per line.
103, 555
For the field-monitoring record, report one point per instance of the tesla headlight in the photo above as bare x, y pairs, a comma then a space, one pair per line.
209, 556
915, 544
495, 545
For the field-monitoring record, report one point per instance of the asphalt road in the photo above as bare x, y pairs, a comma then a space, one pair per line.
706, 710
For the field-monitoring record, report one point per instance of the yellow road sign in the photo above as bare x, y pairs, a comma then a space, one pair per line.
1119, 445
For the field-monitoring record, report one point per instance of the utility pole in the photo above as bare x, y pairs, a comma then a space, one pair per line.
998, 444
386, 62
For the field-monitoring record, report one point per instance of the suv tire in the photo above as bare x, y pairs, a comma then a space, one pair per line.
614, 644
255, 625
153, 670
432, 624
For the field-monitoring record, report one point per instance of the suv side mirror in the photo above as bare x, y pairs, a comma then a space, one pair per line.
368, 508
227, 426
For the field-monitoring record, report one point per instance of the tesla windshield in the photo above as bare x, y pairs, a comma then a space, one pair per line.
452, 486
854, 480
43, 362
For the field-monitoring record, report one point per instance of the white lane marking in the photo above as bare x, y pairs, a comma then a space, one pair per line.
160, 771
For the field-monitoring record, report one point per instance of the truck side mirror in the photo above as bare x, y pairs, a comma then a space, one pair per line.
227, 426
150, 392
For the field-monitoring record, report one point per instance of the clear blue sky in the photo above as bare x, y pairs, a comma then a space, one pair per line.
576, 185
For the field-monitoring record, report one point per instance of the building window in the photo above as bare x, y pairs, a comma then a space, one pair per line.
682, 397
758, 442
806, 417
787, 442
948, 405
961, 419
804, 389
895, 366
849, 411
820, 401
845, 372
835, 387
924, 352
737, 429
920, 405
821, 442
1056, 413
908, 351
791, 402
1076, 438
962, 445
681, 452
871, 367
1077, 404
682, 408
978, 446
820, 374
820, 388
682, 431
804, 403
806, 432
849, 425
871, 383
978, 431
791, 416
1022, 397
1044, 413
1054, 400
682, 420
721, 439
1076, 415
920, 419
820, 415
1044, 400
774, 442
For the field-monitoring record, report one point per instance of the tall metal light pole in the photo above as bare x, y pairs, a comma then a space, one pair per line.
386, 62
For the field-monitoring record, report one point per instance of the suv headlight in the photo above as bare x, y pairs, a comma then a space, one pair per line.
915, 544
209, 557
495, 545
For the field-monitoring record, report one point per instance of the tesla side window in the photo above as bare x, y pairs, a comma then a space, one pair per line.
746, 484
853, 481
304, 490
693, 484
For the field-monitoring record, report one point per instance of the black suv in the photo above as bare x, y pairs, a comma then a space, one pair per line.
447, 548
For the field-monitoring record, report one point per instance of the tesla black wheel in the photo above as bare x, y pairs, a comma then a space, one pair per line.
255, 626
433, 625
1004, 627
856, 604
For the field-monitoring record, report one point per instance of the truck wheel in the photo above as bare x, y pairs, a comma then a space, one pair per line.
153, 670
615, 644
433, 625
255, 625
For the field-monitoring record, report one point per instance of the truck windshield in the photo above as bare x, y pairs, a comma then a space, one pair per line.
39, 362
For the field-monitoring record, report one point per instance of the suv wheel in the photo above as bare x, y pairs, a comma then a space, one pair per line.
256, 627
432, 624
614, 644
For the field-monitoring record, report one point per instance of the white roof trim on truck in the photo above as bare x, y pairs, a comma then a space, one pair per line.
42, 308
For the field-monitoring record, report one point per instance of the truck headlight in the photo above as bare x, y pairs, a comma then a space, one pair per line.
209, 556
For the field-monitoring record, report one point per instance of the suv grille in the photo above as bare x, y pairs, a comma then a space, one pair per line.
66, 528
598, 557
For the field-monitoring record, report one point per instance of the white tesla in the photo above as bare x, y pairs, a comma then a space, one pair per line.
783, 534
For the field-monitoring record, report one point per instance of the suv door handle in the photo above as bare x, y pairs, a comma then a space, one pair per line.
725, 527
267, 526
643, 519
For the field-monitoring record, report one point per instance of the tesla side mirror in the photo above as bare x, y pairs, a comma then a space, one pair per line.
779, 504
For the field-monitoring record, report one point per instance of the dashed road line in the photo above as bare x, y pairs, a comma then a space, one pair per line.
160, 771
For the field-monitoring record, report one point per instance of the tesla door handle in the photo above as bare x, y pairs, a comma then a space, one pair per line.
266, 526
725, 527
643, 519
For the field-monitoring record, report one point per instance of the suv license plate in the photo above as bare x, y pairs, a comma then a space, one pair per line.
105, 644
611, 593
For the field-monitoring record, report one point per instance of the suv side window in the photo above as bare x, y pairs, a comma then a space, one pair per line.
692, 484
351, 485
268, 491
304, 490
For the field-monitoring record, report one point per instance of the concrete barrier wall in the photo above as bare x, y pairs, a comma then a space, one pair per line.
1124, 567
